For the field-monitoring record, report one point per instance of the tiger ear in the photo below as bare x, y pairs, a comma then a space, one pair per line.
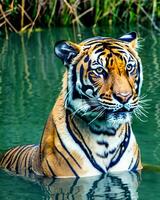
131, 38
66, 51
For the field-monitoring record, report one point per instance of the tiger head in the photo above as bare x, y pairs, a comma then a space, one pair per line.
104, 79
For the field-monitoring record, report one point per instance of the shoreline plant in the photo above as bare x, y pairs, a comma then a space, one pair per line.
25, 15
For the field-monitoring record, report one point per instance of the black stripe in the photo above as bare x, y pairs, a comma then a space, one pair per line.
134, 168
30, 166
75, 173
112, 151
122, 147
89, 156
96, 46
102, 156
119, 44
138, 74
84, 87
99, 50
27, 164
81, 74
74, 77
7, 154
74, 94
18, 157
103, 143
86, 59
50, 168
10, 159
22, 161
99, 61
63, 145
115, 47
81, 137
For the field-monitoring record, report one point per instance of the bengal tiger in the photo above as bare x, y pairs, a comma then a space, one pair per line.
88, 131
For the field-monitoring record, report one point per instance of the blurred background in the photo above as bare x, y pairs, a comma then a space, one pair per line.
26, 15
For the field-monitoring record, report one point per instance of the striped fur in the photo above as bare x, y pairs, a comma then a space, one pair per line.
88, 131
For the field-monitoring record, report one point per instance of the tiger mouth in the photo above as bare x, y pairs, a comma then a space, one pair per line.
120, 110
124, 110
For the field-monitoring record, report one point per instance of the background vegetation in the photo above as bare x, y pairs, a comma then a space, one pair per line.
22, 15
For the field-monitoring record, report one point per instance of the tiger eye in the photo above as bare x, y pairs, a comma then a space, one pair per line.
99, 70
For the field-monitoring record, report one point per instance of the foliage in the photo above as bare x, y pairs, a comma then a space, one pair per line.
22, 15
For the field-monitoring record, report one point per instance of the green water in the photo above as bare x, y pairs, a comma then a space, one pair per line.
30, 80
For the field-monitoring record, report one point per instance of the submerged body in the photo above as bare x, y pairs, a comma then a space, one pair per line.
88, 131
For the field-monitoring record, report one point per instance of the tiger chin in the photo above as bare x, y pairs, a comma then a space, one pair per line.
88, 131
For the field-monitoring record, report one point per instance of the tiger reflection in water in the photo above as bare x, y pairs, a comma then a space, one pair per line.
112, 186
115, 186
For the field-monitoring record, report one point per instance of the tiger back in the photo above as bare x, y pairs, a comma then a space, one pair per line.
88, 131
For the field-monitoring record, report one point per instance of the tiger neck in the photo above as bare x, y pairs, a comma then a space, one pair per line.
81, 128
106, 148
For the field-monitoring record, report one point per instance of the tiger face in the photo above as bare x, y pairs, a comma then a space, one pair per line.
104, 79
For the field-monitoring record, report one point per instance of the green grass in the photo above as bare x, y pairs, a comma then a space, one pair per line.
21, 15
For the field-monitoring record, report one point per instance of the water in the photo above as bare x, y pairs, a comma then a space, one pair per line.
30, 80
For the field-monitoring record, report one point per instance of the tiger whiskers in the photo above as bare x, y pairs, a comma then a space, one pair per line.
83, 107
144, 101
141, 109
98, 108
99, 115
67, 95
138, 113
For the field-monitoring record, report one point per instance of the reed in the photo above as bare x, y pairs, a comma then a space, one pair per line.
24, 15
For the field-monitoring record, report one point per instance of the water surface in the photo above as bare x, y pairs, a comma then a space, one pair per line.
30, 80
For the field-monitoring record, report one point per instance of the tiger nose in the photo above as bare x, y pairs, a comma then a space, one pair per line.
122, 97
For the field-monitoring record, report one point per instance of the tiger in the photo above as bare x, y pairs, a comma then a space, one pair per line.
88, 131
